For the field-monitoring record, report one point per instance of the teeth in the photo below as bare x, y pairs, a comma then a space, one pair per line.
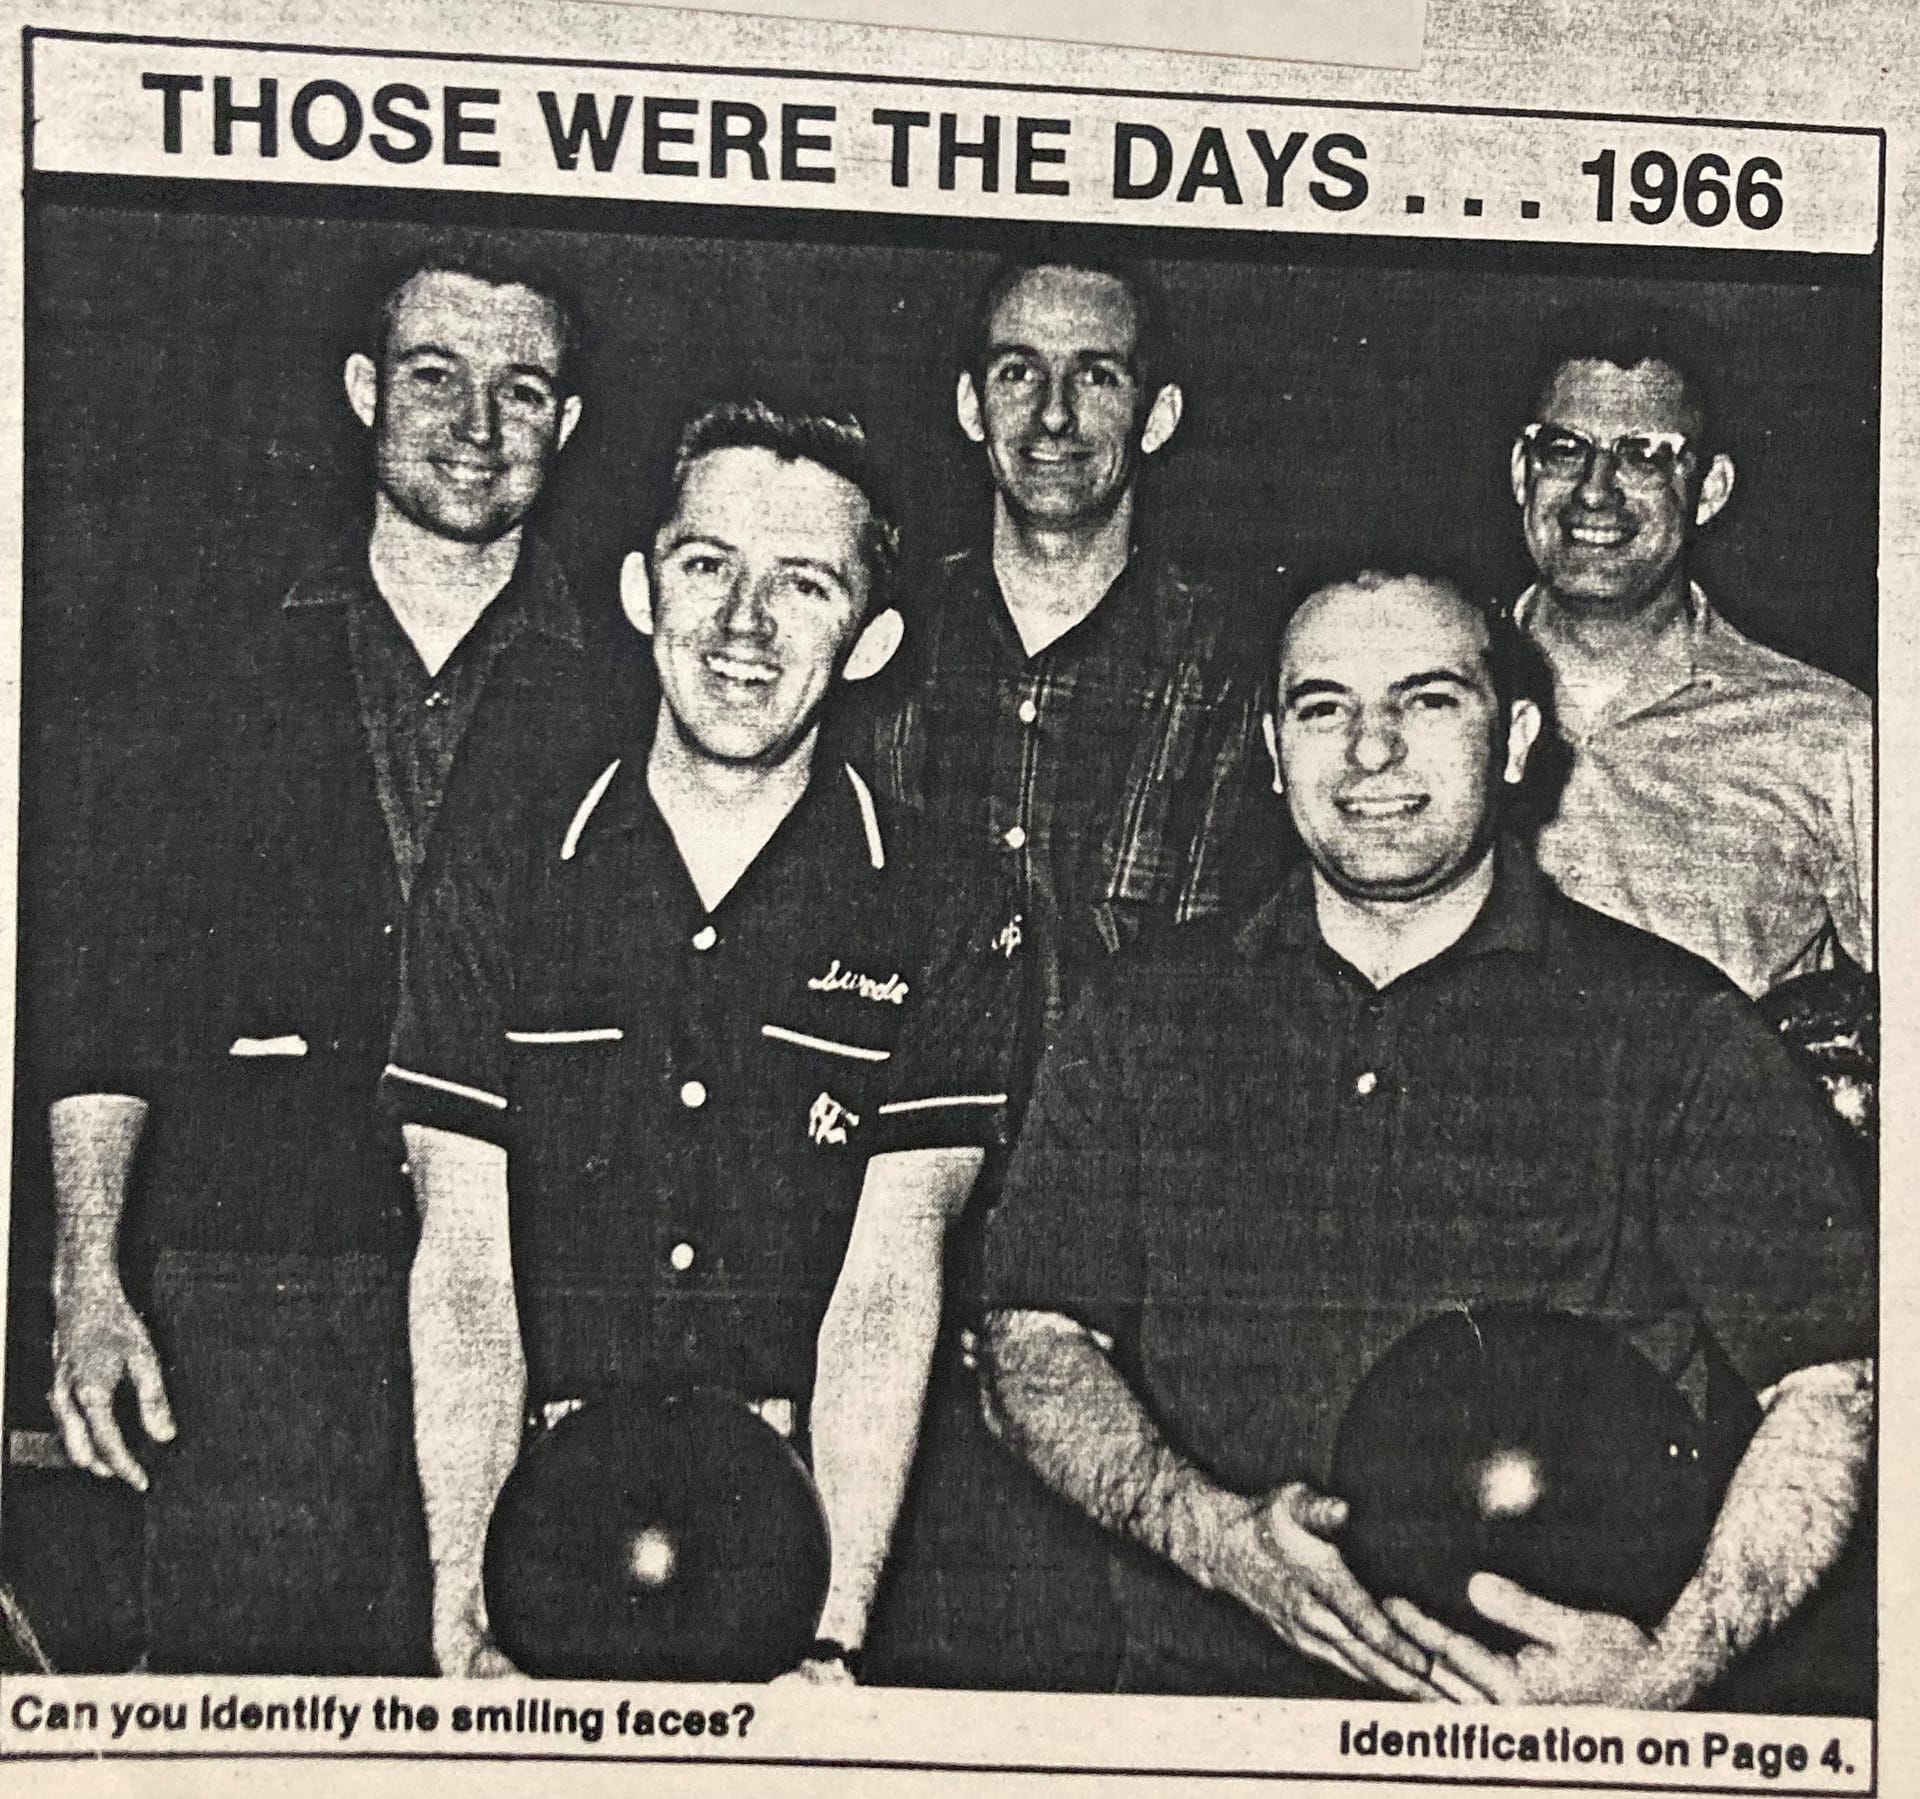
1602, 535
1384, 808
756, 672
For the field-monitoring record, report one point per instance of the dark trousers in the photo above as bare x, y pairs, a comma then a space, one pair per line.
993, 1581
284, 1528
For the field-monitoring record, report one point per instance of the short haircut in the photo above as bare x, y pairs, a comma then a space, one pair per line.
1515, 666
1151, 354
839, 445
1627, 337
485, 261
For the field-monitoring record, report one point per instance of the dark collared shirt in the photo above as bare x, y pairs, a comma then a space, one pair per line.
1103, 771
688, 1098
238, 959
1259, 1172
414, 720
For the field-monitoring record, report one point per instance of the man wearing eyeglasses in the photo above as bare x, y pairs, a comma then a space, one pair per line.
1721, 794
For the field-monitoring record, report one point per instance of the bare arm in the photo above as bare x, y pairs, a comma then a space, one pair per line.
1788, 1512
875, 1351
469, 1375
98, 1338
1064, 1407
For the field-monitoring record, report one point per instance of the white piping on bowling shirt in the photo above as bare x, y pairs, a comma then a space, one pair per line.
584, 810
605, 1033
876, 850
858, 1052
459, 1091
944, 1099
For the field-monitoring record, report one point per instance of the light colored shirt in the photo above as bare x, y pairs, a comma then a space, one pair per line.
1722, 799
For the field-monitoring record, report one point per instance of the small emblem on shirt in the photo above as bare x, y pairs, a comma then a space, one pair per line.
1010, 937
892, 990
828, 1119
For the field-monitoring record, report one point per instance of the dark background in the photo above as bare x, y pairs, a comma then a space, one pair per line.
189, 446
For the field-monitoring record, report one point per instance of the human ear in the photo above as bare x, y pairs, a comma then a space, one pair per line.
1163, 418
636, 592
1716, 489
873, 649
363, 388
966, 406
1523, 731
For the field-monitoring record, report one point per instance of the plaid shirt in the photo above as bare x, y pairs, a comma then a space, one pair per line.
1108, 768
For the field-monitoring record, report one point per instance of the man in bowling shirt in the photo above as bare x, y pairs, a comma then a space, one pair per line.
651, 1035
240, 971
1420, 1079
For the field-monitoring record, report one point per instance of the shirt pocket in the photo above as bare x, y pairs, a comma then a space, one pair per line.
567, 1086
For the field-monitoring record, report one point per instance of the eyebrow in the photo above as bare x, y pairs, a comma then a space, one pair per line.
550, 376
1308, 689
680, 540
1446, 677
1125, 358
1315, 686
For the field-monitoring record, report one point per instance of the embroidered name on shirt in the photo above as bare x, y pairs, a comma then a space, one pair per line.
893, 991
824, 1120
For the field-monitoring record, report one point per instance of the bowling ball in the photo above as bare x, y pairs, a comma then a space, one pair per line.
657, 1537
1532, 1444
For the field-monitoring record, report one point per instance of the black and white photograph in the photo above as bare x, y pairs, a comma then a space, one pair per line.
778, 945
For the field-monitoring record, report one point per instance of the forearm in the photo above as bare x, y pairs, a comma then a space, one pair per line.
875, 1353
94, 1139
1069, 1414
469, 1372
1787, 1514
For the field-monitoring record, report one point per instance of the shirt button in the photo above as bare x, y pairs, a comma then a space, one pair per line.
386, 930
706, 937
1028, 712
1015, 837
681, 1256
1365, 1085
436, 698
693, 1096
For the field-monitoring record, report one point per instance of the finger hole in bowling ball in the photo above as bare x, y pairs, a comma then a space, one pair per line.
657, 1537
1535, 1445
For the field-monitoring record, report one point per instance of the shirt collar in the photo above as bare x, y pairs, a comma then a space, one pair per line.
1683, 658
1513, 919
1145, 591
536, 597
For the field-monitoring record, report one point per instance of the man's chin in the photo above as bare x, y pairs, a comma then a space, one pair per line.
1061, 506
1600, 587
1386, 880
461, 518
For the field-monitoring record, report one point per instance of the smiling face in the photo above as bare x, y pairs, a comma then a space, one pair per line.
759, 588
1615, 538
1390, 741
465, 407
1059, 404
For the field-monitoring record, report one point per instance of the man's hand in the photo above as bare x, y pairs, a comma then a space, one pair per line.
99, 1341
830, 1672
1571, 1657
462, 1645
1277, 1558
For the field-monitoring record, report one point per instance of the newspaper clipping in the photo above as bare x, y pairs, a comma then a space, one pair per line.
879, 912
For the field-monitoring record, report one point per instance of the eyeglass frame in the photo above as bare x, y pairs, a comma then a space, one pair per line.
1677, 443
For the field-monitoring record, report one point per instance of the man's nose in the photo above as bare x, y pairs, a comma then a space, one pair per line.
745, 612
1056, 406
478, 419
1375, 742
1600, 485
